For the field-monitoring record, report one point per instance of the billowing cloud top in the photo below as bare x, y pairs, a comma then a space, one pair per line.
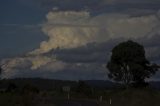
70, 29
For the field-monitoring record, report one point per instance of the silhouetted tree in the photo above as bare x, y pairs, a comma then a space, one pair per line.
28, 88
11, 87
128, 64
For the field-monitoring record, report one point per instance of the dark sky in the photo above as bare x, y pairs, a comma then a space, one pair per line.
72, 39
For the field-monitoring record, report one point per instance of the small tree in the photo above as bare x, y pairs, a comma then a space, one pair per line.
128, 64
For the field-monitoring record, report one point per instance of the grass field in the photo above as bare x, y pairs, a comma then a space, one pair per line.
123, 97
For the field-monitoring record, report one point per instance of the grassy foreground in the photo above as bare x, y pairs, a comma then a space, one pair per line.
123, 97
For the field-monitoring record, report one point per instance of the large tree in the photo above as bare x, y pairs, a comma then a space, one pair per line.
128, 63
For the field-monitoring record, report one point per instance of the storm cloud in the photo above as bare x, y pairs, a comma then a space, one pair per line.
71, 29
79, 43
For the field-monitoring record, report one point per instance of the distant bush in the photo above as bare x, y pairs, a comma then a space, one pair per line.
12, 87
84, 88
30, 89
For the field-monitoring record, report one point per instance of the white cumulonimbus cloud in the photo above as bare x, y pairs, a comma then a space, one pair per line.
70, 29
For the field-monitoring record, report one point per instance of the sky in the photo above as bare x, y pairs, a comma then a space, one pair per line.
73, 39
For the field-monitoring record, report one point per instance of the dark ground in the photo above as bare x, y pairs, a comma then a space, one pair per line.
38, 92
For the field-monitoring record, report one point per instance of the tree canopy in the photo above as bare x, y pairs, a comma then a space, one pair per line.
128, 63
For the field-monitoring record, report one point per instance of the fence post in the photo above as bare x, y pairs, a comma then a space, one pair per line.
110, 101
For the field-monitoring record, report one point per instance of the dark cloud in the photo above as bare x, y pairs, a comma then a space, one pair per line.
100, 53
152, 47
63, 4
84, 72
95, 6
92, 52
